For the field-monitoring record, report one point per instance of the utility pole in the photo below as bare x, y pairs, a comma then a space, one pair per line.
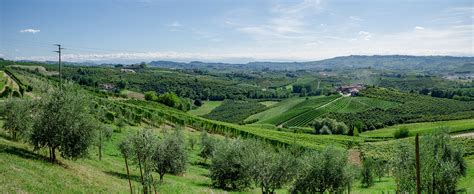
60, 76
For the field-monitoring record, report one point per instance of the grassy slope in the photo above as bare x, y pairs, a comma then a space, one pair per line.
22, 170
206, 108
425, 127
276, 109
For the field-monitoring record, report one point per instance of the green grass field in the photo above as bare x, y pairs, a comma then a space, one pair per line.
422, 128
276, 109
206, 108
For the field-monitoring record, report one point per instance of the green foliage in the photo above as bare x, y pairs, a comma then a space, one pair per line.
151, 95
412, 108
271, 170
63, 123
401, 133
442, 165
306, 107
329, 126
322, 172
19, 118
208, 146
170, 154
230, 166
367, 172
140, 148
235, 111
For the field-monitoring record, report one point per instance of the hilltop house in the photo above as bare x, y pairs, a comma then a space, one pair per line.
350, 90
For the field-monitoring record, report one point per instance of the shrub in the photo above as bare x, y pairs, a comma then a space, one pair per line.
401, 133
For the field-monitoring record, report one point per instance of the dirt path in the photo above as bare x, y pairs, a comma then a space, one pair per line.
468, 135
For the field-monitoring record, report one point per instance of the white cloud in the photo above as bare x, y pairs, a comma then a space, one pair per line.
419, 28
30, 30
365, 35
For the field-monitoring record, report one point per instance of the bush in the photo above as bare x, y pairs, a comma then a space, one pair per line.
329, 126
401, 133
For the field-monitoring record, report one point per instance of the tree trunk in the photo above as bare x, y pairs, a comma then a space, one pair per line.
50, 155
128, 174
161, 177
153, 183
100, 145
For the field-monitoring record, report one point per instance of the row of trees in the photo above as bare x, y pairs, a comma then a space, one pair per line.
61, 121
241, 164
169, 99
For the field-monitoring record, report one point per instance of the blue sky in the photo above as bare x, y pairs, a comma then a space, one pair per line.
233, 30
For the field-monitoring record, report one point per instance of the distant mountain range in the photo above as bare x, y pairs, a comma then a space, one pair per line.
391, 62
432, 64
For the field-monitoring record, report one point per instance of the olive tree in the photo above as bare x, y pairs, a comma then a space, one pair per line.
139, 148
230, 166
321, 172
208, 146
63, 124
170, 154
19, 117
271, 170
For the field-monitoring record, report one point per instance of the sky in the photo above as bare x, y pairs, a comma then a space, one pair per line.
234, 31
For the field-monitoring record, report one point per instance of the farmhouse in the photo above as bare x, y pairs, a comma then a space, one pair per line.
128, 70
351, 90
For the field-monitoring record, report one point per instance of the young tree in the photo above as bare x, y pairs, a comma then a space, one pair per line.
103, 134
208, 146
125, 149
19, 118
380, 168
140, 148
367, 173
192, 142
442, 165
64, 124
322, 172
170, 155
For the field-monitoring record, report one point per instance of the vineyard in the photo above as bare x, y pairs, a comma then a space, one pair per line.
136, 111
340, 105
301, 108
412, 108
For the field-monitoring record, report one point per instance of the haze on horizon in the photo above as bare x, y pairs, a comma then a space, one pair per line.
233, 31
